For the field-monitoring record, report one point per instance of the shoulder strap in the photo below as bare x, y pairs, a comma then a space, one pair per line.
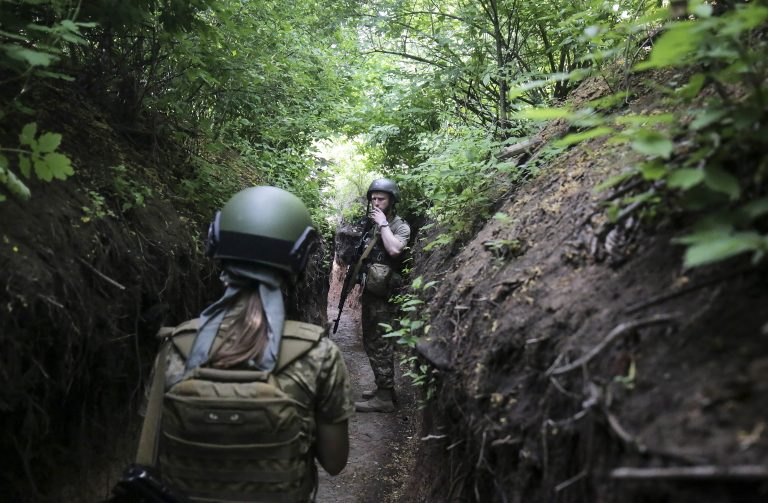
298, 339
183, 336
147, 450
370, 246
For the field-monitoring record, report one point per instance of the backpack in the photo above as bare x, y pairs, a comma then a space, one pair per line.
234, 435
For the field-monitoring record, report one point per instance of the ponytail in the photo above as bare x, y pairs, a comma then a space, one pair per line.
247, 336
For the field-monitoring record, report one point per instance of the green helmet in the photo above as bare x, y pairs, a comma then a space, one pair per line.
385, 185
265, 225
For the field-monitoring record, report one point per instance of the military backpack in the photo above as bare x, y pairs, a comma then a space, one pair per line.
234, 435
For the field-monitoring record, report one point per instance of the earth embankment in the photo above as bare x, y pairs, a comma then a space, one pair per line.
570, 345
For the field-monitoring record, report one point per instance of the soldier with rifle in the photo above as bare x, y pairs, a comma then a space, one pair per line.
376, 265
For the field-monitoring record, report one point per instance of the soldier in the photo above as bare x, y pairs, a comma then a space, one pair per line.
381, 268
251, 400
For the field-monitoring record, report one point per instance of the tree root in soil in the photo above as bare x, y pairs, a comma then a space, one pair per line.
621, 329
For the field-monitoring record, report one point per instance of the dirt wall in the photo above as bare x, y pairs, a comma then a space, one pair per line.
581, 346
85, 284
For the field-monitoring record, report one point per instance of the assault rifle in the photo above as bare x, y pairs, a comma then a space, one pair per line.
353, 270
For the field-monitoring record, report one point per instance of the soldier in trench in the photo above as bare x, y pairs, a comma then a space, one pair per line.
381, 266
249, 400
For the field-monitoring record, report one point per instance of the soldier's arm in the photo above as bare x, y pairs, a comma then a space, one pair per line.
392, 243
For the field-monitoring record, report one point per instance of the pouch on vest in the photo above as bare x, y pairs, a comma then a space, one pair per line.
234, 435
377, 279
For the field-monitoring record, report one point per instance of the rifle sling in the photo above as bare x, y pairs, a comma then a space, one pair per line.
147, 451
367, 251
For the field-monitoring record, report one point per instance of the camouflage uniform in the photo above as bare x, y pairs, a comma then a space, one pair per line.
377, 309
318, 380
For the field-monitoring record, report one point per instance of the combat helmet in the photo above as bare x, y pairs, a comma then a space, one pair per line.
384, 185
264, 225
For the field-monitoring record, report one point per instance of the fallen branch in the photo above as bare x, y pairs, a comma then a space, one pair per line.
617, 332
101, 274
710, 472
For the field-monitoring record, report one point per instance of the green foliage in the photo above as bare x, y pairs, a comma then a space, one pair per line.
34, 36
707, 156
130, 192
459, 179
411, 326
36, 154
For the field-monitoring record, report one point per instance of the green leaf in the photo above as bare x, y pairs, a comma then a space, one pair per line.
653, 170
70, 25
12, 182
48, 142
755, 209
55, 75
56, 166
673, 47
685, 178
543, 114
722, 248
25, 165
703, 10
33, 58
720, 180
642, 120
42, 170
743, 19
614, 180
652, 143
417, 283
693, 87
582, 136
28, 133
706, 117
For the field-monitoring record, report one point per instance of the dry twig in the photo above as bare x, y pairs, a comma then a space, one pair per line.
101, 274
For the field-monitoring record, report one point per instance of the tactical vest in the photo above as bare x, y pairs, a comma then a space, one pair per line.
234, 435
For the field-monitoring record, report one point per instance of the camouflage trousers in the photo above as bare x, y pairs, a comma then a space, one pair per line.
379, 349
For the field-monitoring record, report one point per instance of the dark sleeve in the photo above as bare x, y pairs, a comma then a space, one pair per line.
334, 395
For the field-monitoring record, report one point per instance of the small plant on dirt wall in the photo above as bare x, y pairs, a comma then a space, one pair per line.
413, 324
36, 155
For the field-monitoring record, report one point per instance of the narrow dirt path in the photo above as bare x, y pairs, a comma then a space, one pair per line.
375, 438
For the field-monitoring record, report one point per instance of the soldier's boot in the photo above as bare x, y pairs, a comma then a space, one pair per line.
382, 401
370, 393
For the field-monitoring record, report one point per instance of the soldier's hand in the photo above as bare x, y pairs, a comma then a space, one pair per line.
378, 216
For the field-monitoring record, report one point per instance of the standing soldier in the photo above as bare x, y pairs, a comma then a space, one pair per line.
390, 236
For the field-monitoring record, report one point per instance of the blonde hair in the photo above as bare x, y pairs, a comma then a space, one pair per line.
246, 338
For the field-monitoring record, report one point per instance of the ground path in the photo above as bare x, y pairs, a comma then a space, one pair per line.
376, 439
